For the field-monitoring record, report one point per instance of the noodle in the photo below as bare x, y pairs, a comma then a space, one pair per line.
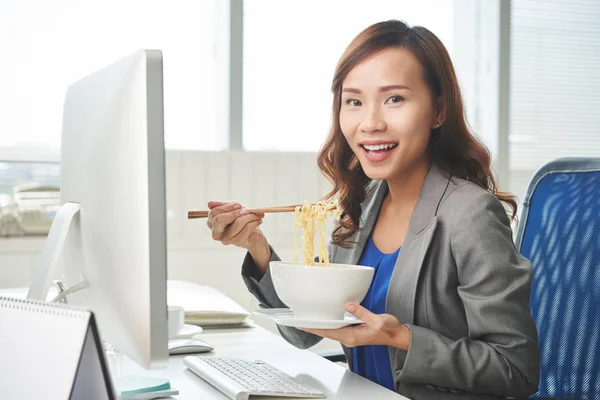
311, 218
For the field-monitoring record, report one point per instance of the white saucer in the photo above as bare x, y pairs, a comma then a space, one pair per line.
188, 331
285, 317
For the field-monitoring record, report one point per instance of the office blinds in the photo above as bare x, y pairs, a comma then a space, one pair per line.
554, 81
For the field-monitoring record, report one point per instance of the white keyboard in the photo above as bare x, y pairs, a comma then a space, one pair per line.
238, 379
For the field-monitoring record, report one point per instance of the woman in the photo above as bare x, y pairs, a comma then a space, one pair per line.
447, 313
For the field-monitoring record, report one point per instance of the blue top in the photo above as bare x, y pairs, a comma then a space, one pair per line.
373, 361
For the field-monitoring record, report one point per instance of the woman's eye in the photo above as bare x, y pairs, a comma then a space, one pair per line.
353, 102
395, 99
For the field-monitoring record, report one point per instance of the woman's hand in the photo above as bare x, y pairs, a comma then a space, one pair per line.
378, 329
232, 224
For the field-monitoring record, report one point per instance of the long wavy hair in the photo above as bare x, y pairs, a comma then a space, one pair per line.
452, 147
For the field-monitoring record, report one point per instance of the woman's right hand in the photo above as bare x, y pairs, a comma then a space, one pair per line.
232, 224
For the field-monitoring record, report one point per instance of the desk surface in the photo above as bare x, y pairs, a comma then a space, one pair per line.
259, 344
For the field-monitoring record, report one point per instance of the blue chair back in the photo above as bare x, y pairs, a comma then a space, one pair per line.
559, 233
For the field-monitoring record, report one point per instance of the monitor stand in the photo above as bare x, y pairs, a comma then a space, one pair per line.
52, 251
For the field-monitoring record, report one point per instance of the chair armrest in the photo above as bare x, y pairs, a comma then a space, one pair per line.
333, 355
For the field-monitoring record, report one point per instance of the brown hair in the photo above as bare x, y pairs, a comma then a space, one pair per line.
451, 146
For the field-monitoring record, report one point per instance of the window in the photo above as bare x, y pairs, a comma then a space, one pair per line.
555, 87
46, 45
290, 53
15, 174
29, 197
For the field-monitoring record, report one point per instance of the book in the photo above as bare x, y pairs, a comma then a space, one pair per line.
130, 387
204, 305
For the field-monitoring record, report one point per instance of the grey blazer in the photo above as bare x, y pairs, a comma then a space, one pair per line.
459, 285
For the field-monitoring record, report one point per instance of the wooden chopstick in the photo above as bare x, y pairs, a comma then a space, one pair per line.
276, 209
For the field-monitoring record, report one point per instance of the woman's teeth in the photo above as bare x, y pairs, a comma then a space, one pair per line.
377, 147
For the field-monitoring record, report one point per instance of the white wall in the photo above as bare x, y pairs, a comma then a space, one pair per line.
193, 178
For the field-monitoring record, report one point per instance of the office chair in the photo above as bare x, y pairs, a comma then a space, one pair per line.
559, 233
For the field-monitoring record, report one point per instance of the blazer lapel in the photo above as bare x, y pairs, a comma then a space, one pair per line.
421, 228
400, 300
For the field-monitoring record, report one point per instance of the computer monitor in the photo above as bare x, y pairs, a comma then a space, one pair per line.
111, 227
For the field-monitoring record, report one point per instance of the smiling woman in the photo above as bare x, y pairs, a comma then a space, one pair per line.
395, 93
448, 306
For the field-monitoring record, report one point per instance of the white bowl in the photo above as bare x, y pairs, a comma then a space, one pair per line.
316, 292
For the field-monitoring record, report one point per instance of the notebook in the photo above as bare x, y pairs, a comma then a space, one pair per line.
142, 387
204, 305
51, 351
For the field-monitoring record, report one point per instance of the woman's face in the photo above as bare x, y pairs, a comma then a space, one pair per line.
388, 113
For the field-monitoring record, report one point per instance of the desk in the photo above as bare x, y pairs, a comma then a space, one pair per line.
259, 344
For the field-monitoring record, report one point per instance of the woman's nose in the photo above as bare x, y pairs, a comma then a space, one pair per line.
373, 122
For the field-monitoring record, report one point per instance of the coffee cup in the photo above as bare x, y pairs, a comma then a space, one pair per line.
176, 320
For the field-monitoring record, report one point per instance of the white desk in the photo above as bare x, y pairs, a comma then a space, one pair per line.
259, 344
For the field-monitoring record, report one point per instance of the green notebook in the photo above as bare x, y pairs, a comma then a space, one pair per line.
131, 387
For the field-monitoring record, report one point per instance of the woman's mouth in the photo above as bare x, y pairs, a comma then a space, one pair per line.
378, 152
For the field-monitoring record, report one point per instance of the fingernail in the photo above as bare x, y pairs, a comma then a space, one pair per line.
237, 206
244, 211
260, 221
350, 307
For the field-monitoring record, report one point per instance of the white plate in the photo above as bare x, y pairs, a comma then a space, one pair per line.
188, 331
285, 317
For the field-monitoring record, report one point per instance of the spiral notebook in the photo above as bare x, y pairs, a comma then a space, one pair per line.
51, 351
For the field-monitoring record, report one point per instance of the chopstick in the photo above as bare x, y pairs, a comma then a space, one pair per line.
276, 209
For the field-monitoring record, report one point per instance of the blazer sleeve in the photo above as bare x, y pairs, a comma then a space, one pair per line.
264, 291
500, 355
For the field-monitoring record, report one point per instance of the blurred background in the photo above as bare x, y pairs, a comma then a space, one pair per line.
247, 101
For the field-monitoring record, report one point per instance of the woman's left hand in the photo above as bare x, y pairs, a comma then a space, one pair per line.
378, 329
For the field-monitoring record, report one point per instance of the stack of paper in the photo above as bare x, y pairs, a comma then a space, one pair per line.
204, 305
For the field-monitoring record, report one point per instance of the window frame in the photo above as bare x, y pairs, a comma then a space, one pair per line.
471, 20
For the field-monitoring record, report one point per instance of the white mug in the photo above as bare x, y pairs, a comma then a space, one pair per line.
176, 319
